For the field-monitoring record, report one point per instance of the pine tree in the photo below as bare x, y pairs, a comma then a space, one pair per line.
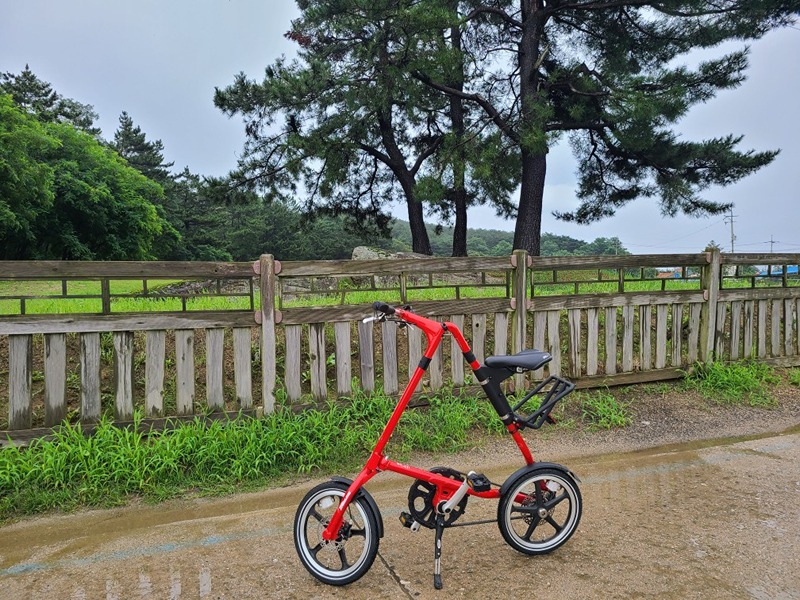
38, 98
145, 156
606, 74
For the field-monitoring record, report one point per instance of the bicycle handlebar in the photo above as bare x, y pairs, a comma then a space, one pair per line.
383, 307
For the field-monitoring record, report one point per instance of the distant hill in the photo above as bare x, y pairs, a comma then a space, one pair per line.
495, 242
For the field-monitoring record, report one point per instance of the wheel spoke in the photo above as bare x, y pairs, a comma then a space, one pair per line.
313, 513
343, 558
555, 501
533, 525
315, 550
555, 525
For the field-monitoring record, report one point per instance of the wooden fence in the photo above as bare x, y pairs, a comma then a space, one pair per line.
296, 332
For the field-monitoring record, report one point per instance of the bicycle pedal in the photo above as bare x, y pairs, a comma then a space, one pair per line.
479, 482
408, 522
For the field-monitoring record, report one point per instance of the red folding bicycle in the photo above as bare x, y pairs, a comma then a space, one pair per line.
338, 526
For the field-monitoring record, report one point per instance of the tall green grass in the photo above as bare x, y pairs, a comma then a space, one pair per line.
74, 469
746, 382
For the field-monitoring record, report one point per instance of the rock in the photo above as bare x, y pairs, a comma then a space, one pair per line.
367, 253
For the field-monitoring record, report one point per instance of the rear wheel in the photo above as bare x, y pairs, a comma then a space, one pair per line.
351, 554
540, 511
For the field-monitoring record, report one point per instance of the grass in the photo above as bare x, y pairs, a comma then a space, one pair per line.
601, 410
794, 377
745, 382
213, 457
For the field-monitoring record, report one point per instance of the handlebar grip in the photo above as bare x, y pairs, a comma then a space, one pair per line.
383, 307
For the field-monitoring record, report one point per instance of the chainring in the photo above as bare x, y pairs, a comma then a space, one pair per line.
421, 495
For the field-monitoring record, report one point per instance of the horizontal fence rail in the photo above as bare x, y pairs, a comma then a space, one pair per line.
179, 339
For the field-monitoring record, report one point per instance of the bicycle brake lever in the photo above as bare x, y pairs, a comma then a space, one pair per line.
371, 319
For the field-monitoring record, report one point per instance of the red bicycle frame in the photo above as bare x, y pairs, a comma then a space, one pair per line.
445, 487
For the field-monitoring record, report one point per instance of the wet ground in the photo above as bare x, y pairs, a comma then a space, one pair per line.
700, 520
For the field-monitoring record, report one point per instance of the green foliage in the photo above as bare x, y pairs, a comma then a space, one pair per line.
602, 410
65, 196
794, 377
494, 242
37, 98
734, 383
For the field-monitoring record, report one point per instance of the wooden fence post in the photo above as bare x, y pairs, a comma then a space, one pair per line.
708, 314
267, 270
519, 260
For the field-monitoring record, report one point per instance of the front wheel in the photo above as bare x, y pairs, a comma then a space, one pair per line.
540, 511
350, 555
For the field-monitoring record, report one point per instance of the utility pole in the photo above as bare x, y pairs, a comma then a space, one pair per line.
731, 218
771, 243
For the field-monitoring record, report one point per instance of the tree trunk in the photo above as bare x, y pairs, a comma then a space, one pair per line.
420, 242
460, 229
459, 159
528, 232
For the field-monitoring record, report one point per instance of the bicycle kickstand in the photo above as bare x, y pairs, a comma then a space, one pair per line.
437, 553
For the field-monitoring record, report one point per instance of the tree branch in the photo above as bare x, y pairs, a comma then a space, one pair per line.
481, 10
490, 110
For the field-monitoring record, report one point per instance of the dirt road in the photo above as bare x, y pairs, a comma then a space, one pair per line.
696, 520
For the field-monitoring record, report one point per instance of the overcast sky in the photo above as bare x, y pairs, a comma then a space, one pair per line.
160, 60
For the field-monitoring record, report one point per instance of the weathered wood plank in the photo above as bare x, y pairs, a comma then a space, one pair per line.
760, 259
242, 371
736, 329
592, 340
500, 334
708, 315
677, 334
627, 337
428, 308
645, 343
366, 353
456, 358
396, 266
317, 357
55, 379
661, 336
788, 327
606, 300
292, 362
747, 327
565, 263
539, 331
78, 269
215, 344
554, 341
20, 376
761, 332
797, 324
611, 340
123, 375
32, 324
574, 318
479, 337
389, 341
269, 374
435, 368
344, 373
414, 352
719, 325
775, 347
184, 371
695, 313
155, 354
90, 377
760, 293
